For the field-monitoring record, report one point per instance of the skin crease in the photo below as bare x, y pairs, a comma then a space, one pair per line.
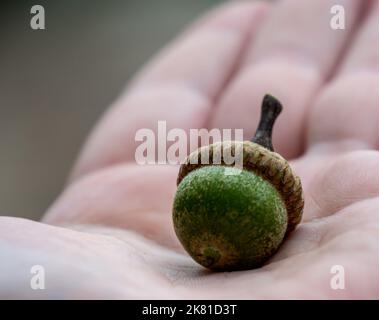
110, 234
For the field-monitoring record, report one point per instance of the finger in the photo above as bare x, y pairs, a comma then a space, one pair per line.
179, 86
290, 58
348, 107
337, 181
126, 196
360, 216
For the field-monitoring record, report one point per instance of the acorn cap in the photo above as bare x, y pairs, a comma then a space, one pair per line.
258, 157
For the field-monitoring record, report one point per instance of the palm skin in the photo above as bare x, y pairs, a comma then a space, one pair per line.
110, 234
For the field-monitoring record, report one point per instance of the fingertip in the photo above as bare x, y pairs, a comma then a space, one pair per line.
234, 15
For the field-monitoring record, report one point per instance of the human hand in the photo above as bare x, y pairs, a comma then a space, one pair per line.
110, 233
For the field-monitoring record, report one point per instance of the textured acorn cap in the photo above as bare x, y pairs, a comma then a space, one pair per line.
268, 164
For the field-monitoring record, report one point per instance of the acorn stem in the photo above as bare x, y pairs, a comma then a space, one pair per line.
271, 108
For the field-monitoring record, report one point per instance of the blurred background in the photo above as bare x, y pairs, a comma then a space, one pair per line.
55, 83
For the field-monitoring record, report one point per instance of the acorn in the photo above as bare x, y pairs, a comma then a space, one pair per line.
230, 218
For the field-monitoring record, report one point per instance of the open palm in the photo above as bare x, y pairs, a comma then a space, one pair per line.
110, 234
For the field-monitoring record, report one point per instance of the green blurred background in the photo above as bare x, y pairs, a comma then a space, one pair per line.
55, 83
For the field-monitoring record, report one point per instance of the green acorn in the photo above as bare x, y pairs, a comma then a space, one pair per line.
232, 219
